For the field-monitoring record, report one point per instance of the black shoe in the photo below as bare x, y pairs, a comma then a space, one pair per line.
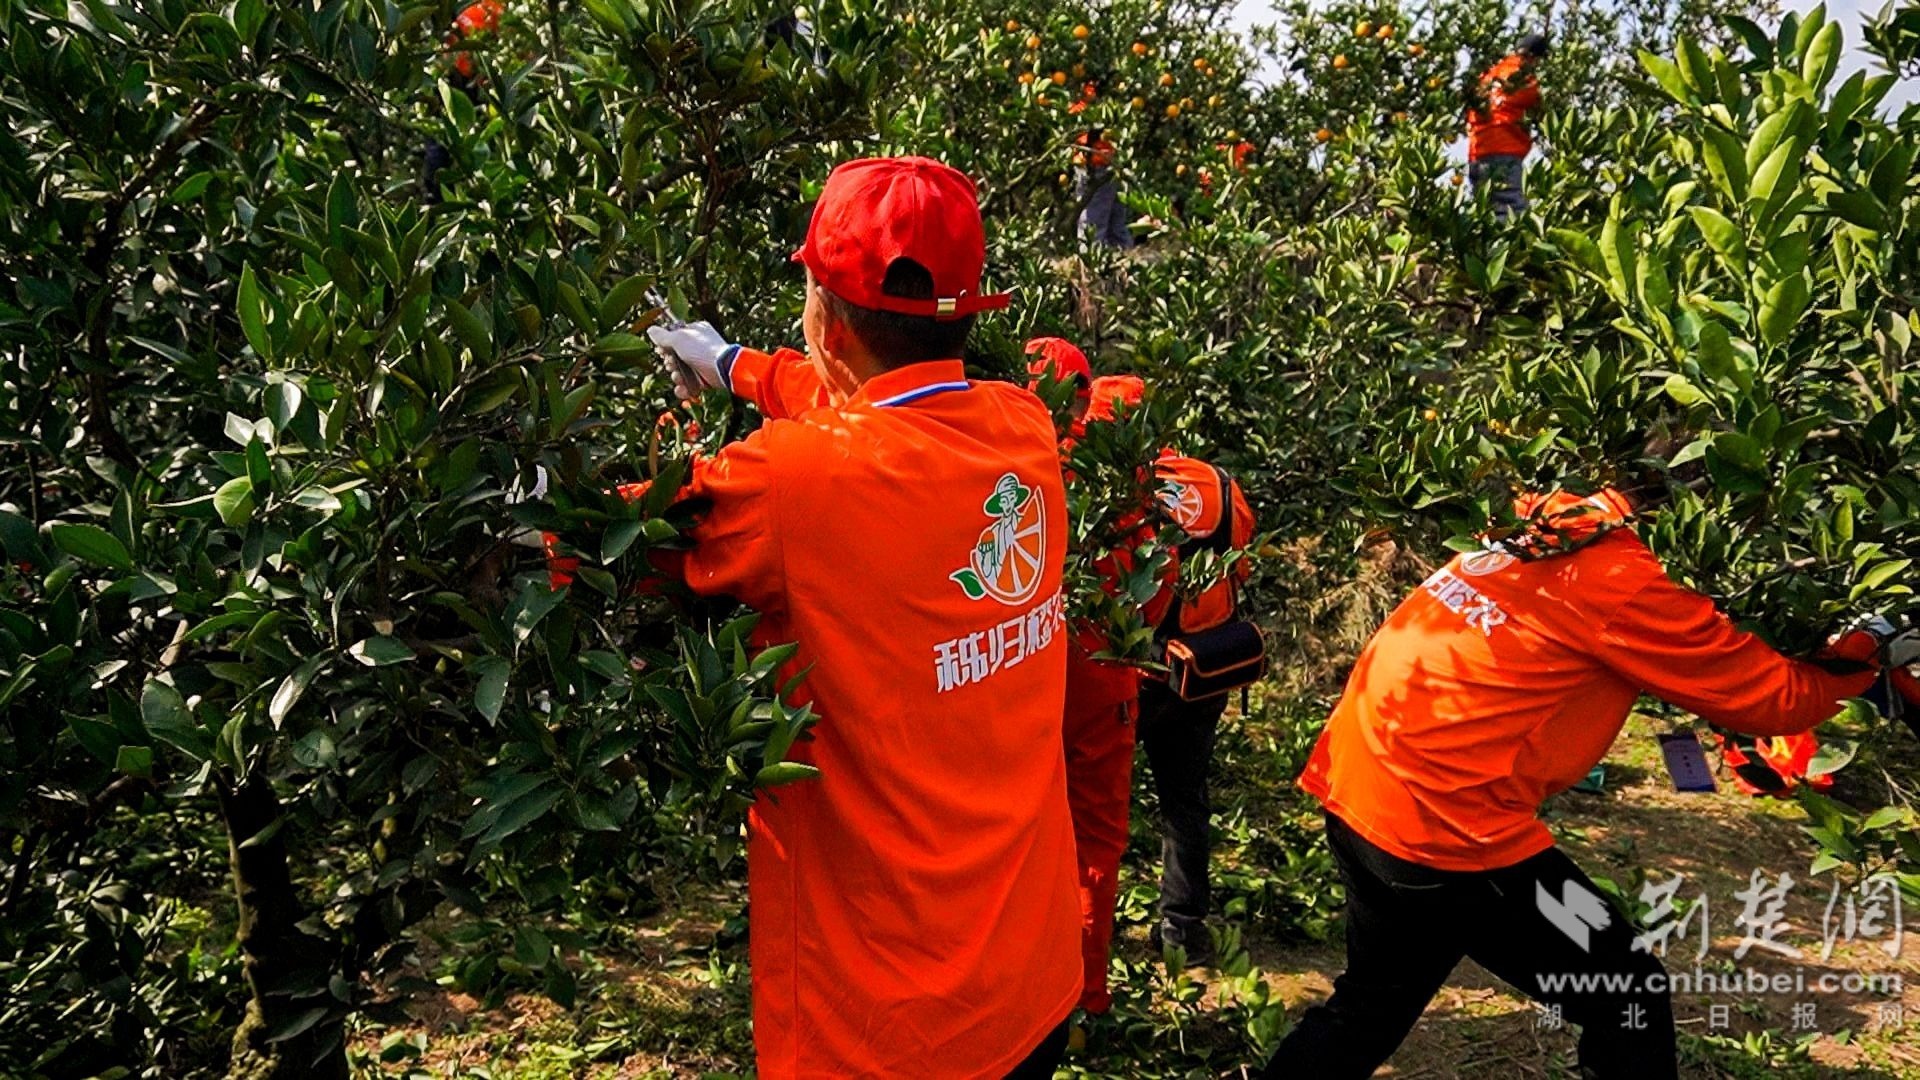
1197, 944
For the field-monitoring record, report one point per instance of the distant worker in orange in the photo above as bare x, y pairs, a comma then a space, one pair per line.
1102, 215
1501, 681
1498, 139
913, 910
1103, 697
475, 24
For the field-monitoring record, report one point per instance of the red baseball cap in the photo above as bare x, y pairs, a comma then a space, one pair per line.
875, 210
1061, 358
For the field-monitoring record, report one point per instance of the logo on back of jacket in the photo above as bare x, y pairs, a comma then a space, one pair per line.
1010, 557
1480, 611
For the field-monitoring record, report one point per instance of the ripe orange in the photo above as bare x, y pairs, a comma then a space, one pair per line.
1340, 62
1430, 414
1166, 78
1213, 102
1139, 48
1323, 135
1139, 102
1043, 101
1416, 49
1013, 26
1081, 33
1026, 77
1400, 118
1173, 112
1180, 169
1059, 78
1200, 63
1364, 29
1385, 31
1456, 180
1033, 42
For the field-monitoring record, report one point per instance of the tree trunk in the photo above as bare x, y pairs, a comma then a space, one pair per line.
293, 1026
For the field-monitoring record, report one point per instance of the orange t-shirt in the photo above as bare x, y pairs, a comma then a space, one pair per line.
1500, 682
1502, 128
915, 908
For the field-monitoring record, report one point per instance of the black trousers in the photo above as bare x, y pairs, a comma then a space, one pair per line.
1178, 737
1408, 925
1040, 1064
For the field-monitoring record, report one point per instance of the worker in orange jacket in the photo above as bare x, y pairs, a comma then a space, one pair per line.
1102, 215
475, 23
1103, 697
1498, 139
1502, 680
913, 912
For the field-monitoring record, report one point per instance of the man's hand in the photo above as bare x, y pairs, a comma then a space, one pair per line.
696, 354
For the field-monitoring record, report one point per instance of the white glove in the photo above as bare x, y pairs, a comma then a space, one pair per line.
696, 355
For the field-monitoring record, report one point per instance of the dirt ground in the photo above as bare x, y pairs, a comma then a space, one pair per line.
668, 1003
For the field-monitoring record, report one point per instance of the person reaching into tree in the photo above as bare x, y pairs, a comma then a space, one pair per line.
1502, 680
1498, 138
1102, 215
1104, 698
913, 911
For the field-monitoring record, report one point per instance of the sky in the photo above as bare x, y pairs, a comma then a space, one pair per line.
1849, 13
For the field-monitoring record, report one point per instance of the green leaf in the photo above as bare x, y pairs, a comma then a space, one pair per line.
134, 761
166, 717
234, 502
288, 693
619, 537
91, 544
1667, 74
490, 685
1780, 312
471, 330
1781, 163
1726, 163
1722, 235
1823, 56
783, 772
621, 298
253, 313
99, 737
380, 651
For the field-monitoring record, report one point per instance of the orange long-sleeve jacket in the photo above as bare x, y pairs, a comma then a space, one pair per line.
1502, 681
1196, 497
1501, 129
916, 907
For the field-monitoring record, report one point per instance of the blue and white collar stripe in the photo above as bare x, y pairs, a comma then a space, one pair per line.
921, 392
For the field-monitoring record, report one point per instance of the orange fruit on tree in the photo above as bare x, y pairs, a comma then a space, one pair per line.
1323, 135
1059, 78
1173, 112
1340, 62
1200, 63
1081, 33
1139, 48
1385, 31
1013, 26
1026, 77
1139, 102
1180, 169
1166, 78
1415, 49
1456, 180
1400, 118
1033, 42
1213, 102
1363, 29
1430, 414
1043, 101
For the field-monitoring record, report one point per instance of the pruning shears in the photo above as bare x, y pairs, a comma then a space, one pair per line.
672, 322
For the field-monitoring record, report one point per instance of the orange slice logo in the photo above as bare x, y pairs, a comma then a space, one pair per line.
1183, 503
1007, 562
